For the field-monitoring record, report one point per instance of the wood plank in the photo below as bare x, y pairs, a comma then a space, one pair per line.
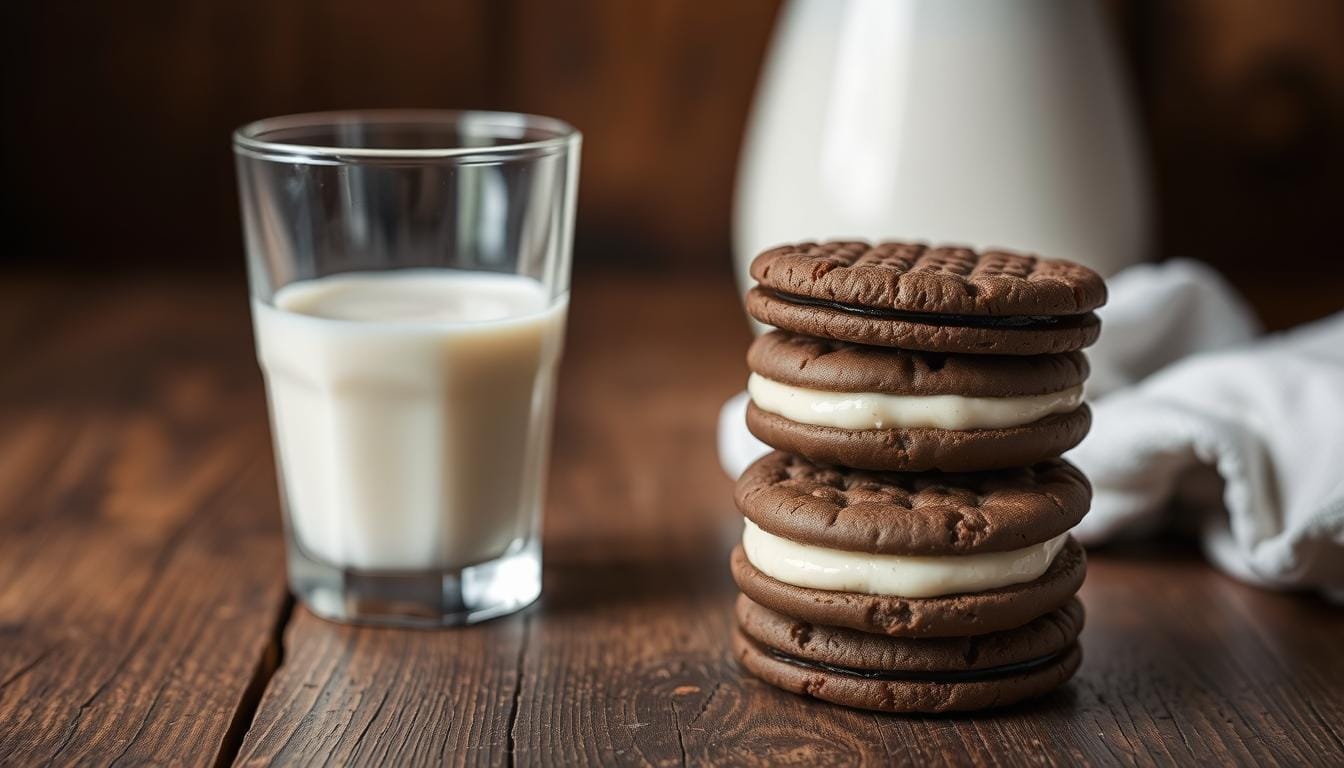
140, 560
1181, 665
628, 648
141, 582
1174, 672
352, 696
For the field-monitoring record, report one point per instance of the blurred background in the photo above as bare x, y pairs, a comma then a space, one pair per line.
118, 115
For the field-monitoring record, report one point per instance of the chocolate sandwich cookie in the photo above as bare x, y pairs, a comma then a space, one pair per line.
912, 296
953, 615
838, 402
909, 692
858, 669
920, 514
840, 648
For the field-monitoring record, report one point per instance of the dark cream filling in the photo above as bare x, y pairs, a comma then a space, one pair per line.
951, 676
1014, 322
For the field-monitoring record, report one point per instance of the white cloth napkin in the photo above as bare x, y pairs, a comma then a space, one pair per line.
1183, 396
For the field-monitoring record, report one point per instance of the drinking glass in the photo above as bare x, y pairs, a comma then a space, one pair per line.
409, 276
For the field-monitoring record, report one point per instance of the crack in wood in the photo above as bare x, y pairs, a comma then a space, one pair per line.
23, 670
74, 722
676, 724
882, 737
149, 712
268, 664
511, 740
705, 705
359, 740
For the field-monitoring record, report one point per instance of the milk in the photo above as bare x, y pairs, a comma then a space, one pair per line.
411, 412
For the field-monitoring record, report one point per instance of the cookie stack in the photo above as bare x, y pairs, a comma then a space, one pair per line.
906, 546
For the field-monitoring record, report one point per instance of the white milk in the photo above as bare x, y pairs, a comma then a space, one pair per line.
411, 412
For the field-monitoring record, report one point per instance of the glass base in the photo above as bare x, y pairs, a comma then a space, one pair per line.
436, 598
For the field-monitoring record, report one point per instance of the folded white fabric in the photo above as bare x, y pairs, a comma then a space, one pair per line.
1157, 314
1269, 418
1181, 391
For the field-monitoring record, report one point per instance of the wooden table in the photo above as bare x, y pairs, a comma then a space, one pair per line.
144, 616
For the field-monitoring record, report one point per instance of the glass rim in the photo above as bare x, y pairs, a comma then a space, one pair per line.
247, 139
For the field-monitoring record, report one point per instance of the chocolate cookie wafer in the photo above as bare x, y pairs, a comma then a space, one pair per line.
943, 299
953, 615
870, 407
922, 513
858, 669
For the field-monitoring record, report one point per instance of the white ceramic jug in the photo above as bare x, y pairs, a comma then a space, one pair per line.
980, 122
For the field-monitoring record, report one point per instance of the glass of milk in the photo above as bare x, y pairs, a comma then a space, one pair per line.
409, 278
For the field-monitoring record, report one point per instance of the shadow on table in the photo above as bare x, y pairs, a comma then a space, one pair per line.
631, 578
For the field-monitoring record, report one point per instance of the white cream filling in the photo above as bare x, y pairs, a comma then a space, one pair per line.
875, 410
806, 565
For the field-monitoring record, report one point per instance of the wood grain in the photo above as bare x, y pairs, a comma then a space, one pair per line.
141, 575
393, 697
661, 90
142, 597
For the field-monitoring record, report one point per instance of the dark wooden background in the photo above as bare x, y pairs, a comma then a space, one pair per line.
118, 114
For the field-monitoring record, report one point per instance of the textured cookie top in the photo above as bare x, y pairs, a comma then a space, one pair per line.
913, 277
912, 513
841, 366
